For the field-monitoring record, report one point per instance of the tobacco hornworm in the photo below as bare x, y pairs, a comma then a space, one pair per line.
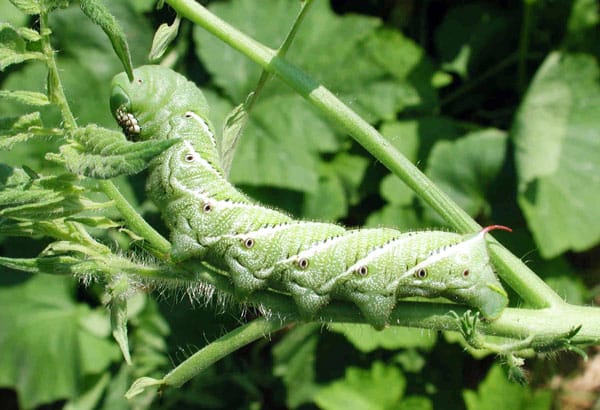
261, 247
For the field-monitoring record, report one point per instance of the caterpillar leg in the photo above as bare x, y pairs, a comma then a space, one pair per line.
243, 280
185, 247
308, 302
375, 308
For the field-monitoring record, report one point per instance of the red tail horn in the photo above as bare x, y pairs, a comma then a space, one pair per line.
494, 227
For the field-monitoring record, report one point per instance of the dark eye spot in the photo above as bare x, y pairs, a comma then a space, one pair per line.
188, 115
466, 273
189, 157
207, 207
421, 273
249, 243
139, 81
303, 263
362, 270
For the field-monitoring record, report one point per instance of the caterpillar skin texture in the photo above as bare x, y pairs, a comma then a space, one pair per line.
314, 262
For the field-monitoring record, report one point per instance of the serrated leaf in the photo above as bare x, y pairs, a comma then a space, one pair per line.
25, 97
366, 339
9, 57
100, 15
50, 265
22, 196
13, 47
102, 153
164, 36
17, 129
95, 221
496, 392
380, 387
27, 6
29, 34
557, 138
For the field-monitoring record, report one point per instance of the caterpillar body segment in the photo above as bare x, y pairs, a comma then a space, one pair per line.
260, 247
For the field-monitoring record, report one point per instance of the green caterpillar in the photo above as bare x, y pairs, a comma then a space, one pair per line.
314, 262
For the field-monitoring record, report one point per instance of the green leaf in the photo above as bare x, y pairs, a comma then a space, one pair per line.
400, 217
39, 198
27, 6
466, 168
496, 392
118, 316
338, 187
410, 360
164, 36
40, 332
295, 362
280, 149
366, 339
102, 153
582, 27
557, 142
413, 138
467, 39
13, 15
49, 265
25, 97
415, 403
100, 15
380, 387
9, 57
282, 142
14, 130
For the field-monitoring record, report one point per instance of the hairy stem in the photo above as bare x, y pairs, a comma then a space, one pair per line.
55, 88
222, 347
159, 246
525, 282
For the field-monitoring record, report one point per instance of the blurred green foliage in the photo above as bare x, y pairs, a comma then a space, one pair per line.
498, 102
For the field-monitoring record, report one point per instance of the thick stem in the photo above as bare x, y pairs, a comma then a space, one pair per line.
525, 282
220, 348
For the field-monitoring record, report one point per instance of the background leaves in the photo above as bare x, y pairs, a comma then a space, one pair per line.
497, 104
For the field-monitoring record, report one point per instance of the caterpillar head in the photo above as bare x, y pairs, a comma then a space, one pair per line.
149, 106
465, 274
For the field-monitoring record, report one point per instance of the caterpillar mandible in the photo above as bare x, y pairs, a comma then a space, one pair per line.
314, 262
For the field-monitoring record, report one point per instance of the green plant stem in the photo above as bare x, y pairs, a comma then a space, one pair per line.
222, 347
525, 282
516, 323
55, 89
159, 246
287, 42
538, 328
